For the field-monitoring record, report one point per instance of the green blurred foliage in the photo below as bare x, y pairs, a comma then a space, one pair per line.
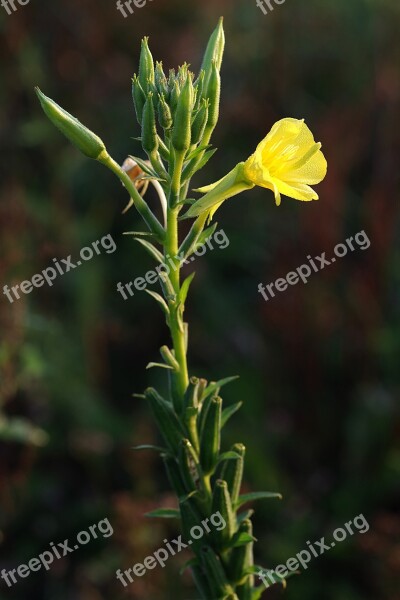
318, 364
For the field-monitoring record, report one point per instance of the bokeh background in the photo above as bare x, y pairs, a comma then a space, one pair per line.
318, 365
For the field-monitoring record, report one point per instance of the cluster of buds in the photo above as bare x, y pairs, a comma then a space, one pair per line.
178, 113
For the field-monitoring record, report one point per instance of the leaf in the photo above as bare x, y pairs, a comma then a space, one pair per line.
150, 447
256, 496
185, 288
206, 158
244, 515
141, 234
160, 300
218, 384
164, 513
151, 365
273, 578
229, 411
241, 538
207, 233
230, 455
144, 166
152, 250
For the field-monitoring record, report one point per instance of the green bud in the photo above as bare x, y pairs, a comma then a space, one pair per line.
175, 93
139, 98
214, 51
213, 93
200, 122
191, 394
232, 472
242, 558
187, 465
84, 139
146, 65
149, 129
164, 114
160, 79
191, 517
166, 419
181, 133
174, 475
211, 436
214, 568
201, 581
222, 503
199, 87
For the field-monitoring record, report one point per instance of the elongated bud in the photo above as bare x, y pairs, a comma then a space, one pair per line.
214, 51
242, 558
191, 517
139, 98
213, 93
174, 475
190, 418
232, 472
211, 436
191, 394
166, 419
149, 129
201, 581
200, 122
222, 503
199, 87
160, 79
146, 66
174, 95
84, 139
214, 568
164, 114
181, 133
187, 465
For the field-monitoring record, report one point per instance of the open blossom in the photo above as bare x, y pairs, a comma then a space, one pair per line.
288, 161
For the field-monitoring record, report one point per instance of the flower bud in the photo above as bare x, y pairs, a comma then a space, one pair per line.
84, 139
200, 122
181, 133
175, 93
139, 98
213, 93
160, 79
149, 130
214, 51
146, 65
164, 114
199, 87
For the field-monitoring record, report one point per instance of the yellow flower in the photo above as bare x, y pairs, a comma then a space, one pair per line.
287, 161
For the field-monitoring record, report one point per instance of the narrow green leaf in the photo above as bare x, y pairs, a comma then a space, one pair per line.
150, 447
256, 496
210, 389
152, 250
185, 288
229, 411
160, 301
228, 456
151, 365
144, 166
241, 539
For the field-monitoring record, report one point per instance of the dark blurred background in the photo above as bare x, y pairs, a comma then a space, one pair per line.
318, 364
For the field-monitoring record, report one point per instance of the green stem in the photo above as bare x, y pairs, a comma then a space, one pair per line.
171, 249
150, 219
